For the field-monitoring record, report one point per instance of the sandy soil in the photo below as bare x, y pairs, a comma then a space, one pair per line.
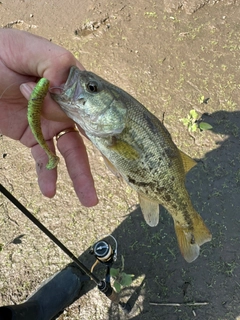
171, 56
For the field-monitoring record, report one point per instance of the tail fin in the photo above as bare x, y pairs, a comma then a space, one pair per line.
190, 240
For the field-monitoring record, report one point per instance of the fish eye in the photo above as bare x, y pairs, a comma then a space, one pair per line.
92, 87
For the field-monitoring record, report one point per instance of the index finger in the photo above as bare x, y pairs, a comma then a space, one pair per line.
73, 150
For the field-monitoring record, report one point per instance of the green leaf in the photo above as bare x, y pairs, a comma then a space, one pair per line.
1, 246
201, 99
114, 272
126, 279
194, 127
117, 286
185, 121
205, 126
193, 113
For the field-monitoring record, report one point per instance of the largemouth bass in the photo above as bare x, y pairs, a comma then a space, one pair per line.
136, 145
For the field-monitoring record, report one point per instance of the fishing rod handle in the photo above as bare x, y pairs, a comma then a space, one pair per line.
114, 296
105, 287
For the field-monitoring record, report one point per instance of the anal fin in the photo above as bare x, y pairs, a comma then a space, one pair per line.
150, 210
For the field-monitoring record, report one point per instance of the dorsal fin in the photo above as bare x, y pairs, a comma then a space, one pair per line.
188, 162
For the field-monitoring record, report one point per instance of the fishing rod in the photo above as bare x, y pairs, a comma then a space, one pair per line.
102, 251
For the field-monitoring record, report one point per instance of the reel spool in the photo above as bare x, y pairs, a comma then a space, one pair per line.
104, 252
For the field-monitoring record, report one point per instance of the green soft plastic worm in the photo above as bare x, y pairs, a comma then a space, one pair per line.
34, 119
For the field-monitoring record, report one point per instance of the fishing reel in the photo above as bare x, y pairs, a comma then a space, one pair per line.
104, 252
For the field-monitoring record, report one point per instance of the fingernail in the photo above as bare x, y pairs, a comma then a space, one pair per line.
26, 90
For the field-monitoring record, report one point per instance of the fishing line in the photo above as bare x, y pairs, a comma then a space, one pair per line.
1, 95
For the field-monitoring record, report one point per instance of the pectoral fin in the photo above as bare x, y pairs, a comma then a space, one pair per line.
150, 210
188, 162
111, 167
123, 149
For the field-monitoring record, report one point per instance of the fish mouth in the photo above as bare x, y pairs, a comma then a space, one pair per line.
73, 85
73, 100
72, 89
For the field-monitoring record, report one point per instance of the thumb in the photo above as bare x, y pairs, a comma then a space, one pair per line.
26, 89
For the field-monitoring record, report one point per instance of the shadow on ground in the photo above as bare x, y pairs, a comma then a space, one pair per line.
152, 255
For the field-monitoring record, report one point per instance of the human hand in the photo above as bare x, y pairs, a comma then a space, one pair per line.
24, 59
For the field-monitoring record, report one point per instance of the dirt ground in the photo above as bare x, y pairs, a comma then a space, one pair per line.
172, 56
